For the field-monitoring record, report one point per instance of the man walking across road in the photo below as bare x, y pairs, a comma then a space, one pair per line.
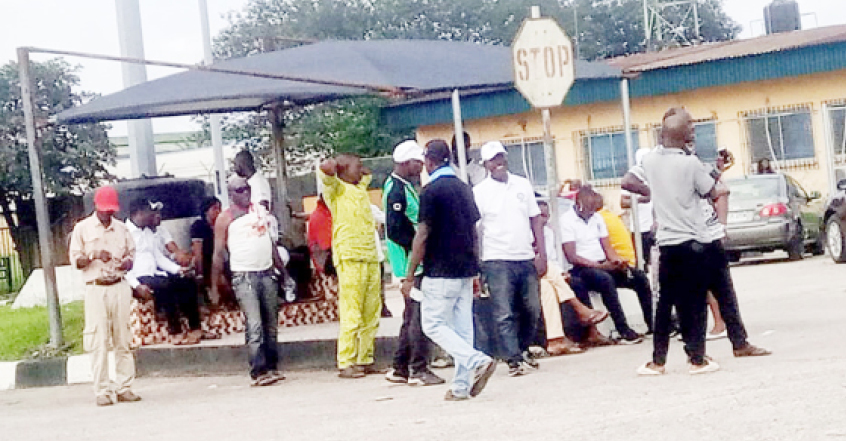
402, 206
678, 182
102, 248
509, 226
243, 230
345, 181
446, 243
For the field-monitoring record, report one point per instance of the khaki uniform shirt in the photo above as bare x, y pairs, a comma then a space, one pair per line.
90, 236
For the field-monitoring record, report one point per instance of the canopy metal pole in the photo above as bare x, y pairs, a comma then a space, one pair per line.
214, 119
459, 137
41, 213
552, 185
627, 122
277, 125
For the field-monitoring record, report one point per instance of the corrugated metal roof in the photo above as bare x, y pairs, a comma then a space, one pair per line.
729, 49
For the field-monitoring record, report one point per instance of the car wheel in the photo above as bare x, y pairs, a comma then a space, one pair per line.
835, 240
796, 247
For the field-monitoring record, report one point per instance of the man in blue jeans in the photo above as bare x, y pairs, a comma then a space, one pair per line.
509, 226
446, 244
244, 231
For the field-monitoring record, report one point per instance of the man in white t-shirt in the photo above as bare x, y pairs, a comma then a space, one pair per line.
645, 219
259, 186
509, 226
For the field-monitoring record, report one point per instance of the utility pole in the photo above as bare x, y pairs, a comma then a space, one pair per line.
214, 119
142, 151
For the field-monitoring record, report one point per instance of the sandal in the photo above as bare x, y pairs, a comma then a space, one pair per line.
595, 318
598, 342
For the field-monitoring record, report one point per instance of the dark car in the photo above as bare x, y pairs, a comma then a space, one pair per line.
771, 212
835, 223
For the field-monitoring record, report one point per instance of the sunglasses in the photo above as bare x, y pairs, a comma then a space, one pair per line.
240, 190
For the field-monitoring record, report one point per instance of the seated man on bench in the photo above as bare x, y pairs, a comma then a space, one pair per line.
154, 276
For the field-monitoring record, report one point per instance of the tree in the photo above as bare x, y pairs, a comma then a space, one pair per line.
606, 28
73, 157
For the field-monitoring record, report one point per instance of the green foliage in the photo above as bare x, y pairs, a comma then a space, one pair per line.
25, 332
606, 28
73, 157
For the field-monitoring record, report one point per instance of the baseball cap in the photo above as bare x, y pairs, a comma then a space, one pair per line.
408, 151
106, 199
491, 149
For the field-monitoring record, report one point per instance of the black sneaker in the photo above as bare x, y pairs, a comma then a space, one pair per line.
517, 369
630, 338
425, 378
529, 360
395, 376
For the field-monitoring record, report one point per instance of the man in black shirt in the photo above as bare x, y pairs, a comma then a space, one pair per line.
446, 243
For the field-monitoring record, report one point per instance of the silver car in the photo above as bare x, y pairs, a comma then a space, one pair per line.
771, 212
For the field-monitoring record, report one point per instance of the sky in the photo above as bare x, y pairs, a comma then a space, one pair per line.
171, 31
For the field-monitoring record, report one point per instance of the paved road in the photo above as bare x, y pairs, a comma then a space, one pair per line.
796, 309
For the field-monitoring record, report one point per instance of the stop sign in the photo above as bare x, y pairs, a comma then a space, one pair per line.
542, 57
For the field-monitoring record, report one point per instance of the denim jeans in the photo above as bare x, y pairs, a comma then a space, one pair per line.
515, 296
447, 316
257, 293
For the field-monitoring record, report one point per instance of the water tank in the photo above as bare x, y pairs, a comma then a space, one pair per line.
181, 198
782, 16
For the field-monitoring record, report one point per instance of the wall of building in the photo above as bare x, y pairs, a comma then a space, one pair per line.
725, 105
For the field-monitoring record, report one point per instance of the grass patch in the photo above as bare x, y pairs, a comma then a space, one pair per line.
25, 332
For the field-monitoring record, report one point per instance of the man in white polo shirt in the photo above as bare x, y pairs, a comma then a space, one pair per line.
509, 226
586, 246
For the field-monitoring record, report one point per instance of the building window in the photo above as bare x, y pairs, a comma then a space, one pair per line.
606, 155
526, 158
837, 122
706, 139
781, 135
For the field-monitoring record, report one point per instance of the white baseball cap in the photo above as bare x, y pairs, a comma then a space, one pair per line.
491, 149
408, 151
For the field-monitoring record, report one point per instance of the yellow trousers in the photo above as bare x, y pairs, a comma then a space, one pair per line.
554, 291
107, 326
359, 304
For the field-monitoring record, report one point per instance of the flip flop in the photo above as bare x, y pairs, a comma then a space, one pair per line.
567, 350
596, 318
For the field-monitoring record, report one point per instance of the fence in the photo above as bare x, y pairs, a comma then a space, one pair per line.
11, 273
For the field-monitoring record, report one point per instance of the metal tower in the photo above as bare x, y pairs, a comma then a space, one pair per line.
670, 22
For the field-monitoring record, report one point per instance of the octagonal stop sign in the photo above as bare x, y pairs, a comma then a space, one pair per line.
542, 57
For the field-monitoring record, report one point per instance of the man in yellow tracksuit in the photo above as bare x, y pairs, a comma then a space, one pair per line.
345, 181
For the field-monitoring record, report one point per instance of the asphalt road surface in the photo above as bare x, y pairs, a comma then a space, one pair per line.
797, 309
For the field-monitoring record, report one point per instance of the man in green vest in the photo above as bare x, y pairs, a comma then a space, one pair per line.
402, 205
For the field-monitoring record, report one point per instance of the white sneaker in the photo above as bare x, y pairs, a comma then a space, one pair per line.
708, 367
649, 369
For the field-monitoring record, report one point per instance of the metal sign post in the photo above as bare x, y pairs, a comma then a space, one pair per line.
627, 121
41, 213
542, 58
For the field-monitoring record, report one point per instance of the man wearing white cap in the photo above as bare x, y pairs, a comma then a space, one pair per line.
509, 226
402, 207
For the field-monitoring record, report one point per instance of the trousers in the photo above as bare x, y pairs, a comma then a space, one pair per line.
554, 291
359, 305
107, 326
682, 274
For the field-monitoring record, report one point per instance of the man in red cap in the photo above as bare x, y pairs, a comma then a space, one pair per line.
102, 248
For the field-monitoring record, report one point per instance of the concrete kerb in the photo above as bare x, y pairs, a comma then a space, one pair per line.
182, 361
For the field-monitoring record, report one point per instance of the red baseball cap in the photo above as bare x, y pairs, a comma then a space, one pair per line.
106, 199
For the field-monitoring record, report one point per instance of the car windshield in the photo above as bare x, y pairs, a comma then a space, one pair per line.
754, 189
